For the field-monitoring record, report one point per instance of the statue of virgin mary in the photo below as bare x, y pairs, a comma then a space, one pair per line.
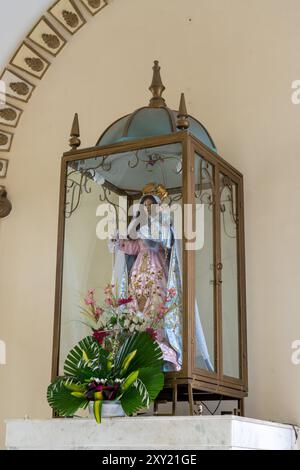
148, 265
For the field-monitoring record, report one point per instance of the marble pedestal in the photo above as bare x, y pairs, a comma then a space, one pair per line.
161, 432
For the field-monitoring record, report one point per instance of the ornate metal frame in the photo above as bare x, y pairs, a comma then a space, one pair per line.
189, 383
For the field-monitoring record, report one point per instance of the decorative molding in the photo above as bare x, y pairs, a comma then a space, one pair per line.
3, 167
46, 36
16, 86
30, 61
10, 115
6, 139
94, 6
68, 14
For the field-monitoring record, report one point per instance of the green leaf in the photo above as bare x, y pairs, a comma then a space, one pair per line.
129, 381
61, 400
141, 388
78, 394
85, 356
97, 410
153, 379
128, 360
74, 387
109, 363
131, 401
76, 366
148, 353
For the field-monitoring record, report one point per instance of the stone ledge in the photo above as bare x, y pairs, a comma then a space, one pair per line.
161, 432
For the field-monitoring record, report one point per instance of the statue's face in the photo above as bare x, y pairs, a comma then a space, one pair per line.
148, 203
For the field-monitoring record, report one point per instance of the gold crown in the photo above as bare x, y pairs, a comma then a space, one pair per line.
156, 190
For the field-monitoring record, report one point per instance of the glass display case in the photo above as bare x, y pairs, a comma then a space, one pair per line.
171, 153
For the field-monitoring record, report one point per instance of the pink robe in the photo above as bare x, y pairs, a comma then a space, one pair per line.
148, 284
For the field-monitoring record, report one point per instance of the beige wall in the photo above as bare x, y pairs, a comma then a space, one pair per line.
235, 60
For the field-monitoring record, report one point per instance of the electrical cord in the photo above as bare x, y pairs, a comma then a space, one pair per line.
215, 410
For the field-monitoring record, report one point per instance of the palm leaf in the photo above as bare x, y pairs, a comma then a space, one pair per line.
129, 382
153, 379
86, 359
148, 353
135, 398
142, 389
62, 400
128, 360
132, 401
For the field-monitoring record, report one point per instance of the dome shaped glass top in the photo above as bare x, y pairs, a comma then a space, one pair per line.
155, 119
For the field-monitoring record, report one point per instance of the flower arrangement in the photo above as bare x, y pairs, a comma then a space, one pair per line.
120, 361
120, 317
132, 375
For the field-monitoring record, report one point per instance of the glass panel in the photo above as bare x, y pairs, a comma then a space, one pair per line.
87, 261
230, 304
140, 254
204, 256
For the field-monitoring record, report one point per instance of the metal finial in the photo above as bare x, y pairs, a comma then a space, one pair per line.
75, 134
182, 117
157, 88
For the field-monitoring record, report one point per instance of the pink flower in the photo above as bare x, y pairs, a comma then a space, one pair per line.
109, 301
98, 312
172, 292
89, 299
108, 289
162, 310
125, 301
152, 333
100, 336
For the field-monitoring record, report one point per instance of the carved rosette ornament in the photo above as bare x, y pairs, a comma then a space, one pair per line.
3, 140
20, 88
51, 40
34, 63
70, 18
5, 204
8, 114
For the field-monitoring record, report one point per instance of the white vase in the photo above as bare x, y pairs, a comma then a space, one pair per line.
110, 409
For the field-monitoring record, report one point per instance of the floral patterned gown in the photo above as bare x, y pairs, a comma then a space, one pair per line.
148, 284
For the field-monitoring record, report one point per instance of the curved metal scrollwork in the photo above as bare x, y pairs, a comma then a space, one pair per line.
205, 190
79, 180
227, 184
153, 159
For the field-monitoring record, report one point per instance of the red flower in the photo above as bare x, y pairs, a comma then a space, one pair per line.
152, 333
125, 301
100, 336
